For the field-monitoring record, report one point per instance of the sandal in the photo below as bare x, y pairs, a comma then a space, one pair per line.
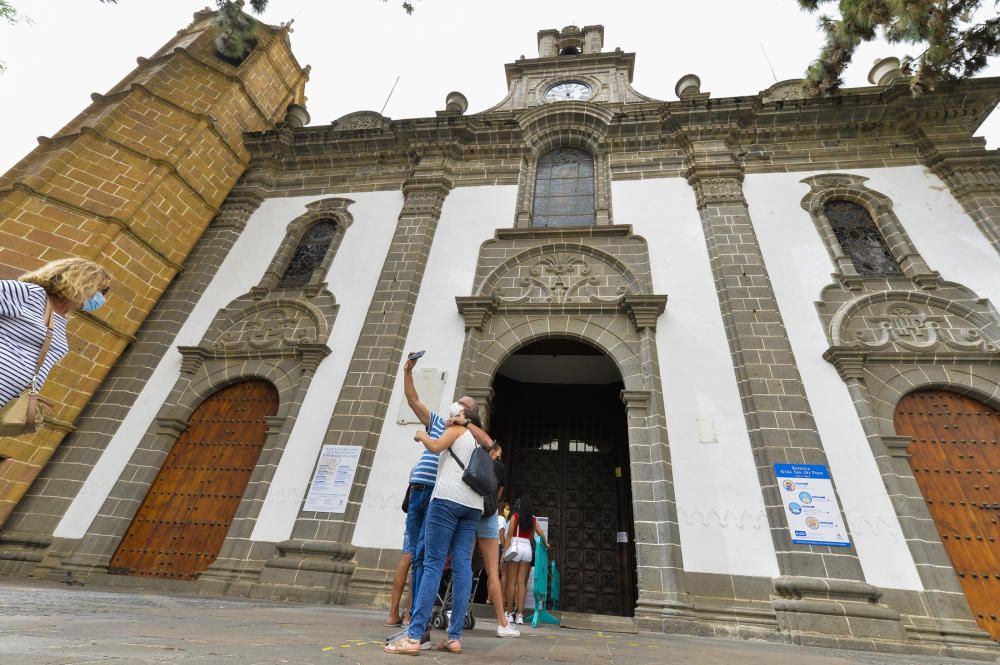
451, 646
403, 646
391, 624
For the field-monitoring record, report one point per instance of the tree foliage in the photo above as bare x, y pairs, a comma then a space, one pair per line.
237, 31
955, 45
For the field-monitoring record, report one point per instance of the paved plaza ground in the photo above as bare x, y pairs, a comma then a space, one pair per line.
58, 625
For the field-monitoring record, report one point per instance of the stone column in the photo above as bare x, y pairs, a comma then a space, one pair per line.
30, 526
821, 591
317, 563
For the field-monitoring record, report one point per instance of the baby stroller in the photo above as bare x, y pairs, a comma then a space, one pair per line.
440, 615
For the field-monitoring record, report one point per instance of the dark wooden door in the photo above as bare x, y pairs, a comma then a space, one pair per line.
956, 461
568, 451
183, 521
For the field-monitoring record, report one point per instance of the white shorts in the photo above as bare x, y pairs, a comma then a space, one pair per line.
522, 549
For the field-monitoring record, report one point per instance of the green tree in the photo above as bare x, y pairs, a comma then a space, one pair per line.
955, 45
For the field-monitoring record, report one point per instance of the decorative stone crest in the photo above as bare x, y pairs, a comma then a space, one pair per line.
269, 328
913, 329
563, 278
360, 120
783, 90
906, 326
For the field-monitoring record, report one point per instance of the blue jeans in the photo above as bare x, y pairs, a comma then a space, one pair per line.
416, 512
451, 528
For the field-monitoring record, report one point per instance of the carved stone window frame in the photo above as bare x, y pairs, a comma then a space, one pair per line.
332, 209
847, 187
565, 125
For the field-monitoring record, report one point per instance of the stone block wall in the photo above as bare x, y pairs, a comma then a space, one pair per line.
131, 183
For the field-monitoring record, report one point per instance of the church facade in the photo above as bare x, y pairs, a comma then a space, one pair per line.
675, 314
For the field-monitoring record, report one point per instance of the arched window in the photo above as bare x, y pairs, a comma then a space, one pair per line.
564, 189
860, 239
308, 254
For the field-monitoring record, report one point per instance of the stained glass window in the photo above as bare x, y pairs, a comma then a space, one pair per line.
309, 254
860, 238
564, 189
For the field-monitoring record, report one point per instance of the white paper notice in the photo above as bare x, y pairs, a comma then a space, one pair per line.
331, 484
811, 506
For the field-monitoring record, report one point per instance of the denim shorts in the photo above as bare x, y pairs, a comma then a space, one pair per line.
489, 526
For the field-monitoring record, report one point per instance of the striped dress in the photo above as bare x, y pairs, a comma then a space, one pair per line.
22, 332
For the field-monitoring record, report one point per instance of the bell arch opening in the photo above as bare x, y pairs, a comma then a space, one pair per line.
558, 414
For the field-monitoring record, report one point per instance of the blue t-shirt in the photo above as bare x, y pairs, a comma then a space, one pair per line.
426, 469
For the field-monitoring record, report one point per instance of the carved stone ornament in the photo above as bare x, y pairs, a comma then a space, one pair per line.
718, 190
360, 120
564, 278
905, 326
268, 329
424, 201
783, 90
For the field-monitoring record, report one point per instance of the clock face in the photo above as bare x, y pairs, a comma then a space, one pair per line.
568, 91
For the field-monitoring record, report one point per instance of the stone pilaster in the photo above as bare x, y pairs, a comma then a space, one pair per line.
820, 596
363, 400
974, 181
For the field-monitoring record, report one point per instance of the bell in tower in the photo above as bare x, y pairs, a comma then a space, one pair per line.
570, 41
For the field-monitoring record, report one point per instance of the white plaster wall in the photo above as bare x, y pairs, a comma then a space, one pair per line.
723, 526
800, 267
356, 267
941, 231
469, 217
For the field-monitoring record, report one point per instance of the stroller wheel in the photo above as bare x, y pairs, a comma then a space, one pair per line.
437, 621
469, 623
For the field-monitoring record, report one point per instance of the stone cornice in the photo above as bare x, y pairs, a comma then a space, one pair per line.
860, 127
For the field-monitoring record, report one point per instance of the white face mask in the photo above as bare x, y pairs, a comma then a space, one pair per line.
455, 409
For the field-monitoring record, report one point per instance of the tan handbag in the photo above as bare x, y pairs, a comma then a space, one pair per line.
25, 413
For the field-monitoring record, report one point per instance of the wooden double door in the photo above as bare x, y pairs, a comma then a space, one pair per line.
566, 448
955, 457
183, 521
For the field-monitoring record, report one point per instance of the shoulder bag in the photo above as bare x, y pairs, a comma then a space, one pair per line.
480, 477
25, 413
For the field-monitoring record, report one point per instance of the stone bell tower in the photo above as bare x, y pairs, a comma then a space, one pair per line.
131, 183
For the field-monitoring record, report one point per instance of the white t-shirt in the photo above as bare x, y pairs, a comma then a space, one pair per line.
449, 483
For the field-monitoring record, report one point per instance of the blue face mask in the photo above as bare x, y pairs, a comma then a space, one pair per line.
93, 302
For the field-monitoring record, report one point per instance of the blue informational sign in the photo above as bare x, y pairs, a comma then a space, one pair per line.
811, 507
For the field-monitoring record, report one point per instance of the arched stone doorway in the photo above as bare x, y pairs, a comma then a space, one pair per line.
559, 415
955, 458
181, 525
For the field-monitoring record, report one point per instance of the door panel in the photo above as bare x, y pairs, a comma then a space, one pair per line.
956, 462
181, 525
565, 444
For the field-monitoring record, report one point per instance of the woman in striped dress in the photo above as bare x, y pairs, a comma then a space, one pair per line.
69, 285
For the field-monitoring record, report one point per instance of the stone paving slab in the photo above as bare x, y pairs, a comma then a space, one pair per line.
56, 625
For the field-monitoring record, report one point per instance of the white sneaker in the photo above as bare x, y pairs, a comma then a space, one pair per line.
510, 617
519, 619
508, 631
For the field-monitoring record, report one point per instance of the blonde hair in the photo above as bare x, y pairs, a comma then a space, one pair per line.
74, 279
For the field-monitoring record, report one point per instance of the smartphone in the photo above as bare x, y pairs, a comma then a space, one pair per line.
416, 354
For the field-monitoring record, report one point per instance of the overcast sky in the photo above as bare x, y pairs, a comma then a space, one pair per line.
357, 48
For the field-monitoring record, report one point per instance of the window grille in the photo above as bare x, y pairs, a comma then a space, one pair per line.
564, 189
860, 239
309, 254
